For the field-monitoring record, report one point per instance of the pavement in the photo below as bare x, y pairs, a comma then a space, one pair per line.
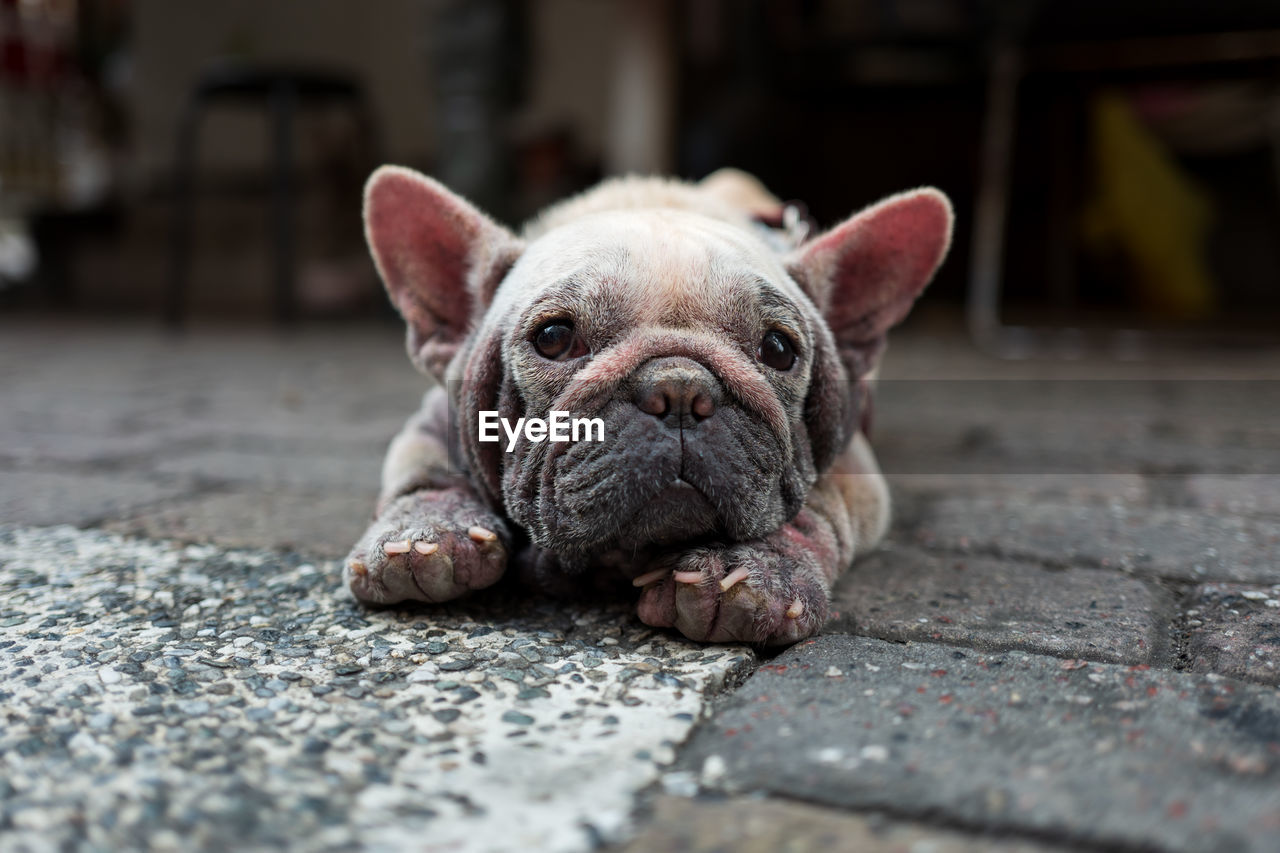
1070, 640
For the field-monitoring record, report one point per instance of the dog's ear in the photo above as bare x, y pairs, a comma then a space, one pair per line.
440, 258
864, 274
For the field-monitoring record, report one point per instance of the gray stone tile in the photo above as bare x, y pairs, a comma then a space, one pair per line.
1250, 494
1059, 488
354, 466
1050, 427
47, 497
323, 523
52, 449
903, 593
913, 494
1095, 754
351, 383
1157, 542
1234, 629
754, 825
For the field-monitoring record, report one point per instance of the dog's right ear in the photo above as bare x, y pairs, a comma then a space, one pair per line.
863, 276
440, 258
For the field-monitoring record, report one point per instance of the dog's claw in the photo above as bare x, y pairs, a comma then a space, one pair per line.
649, 577
482, 534
423, 547
751, 592
738, 574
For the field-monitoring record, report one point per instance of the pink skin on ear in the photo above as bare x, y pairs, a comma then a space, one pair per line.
438, 256
865, 273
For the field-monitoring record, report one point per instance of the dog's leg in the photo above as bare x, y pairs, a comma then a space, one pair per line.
433, 538
773, 590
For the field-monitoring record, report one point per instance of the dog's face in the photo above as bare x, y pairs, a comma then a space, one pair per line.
726, 376
691, 343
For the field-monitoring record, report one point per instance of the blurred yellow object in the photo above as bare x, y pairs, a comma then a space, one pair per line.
1148, 209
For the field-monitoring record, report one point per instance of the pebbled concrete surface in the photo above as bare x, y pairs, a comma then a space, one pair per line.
203, 699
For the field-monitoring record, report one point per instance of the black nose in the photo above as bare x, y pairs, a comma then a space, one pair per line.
680, 392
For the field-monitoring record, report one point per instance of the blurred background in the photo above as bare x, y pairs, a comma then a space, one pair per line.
1115, 165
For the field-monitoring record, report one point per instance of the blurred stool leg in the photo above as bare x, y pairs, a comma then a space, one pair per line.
986, 272
183, 212
283, 105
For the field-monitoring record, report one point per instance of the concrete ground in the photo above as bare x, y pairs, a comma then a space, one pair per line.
1071, 639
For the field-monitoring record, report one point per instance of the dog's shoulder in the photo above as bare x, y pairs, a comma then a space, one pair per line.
721, 196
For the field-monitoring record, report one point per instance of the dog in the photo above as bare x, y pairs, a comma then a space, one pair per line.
727, 354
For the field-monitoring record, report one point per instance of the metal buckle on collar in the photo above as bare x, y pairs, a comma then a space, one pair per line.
792, 225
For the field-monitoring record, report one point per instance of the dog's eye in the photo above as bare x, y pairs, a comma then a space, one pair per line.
777, 351
557, 341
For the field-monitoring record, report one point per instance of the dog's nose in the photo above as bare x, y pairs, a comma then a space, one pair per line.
677, 393
670, 396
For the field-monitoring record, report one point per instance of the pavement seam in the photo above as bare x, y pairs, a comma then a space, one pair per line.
199, 489
938, 819
993, 648
998, 552
1179, 630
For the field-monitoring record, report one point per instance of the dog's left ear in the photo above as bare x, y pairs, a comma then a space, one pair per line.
439, 256
863, 275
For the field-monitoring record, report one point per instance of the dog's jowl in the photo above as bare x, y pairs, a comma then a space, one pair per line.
718, 367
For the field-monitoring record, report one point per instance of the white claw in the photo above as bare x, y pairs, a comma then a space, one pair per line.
649, 577
687, 577
796, 608
393, 548
426, 549
481, 534
738, 574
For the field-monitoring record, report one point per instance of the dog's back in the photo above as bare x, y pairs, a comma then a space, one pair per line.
728, 195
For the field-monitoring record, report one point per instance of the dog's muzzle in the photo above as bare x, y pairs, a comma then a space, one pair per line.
678, 391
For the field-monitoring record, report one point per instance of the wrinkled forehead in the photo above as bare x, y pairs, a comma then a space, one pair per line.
671, 265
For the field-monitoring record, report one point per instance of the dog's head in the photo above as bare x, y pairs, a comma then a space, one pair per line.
728, 376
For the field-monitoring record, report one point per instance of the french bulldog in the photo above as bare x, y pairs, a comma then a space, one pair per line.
728, 361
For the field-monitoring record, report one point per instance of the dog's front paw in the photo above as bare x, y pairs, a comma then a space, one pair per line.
753, 592
427, 546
